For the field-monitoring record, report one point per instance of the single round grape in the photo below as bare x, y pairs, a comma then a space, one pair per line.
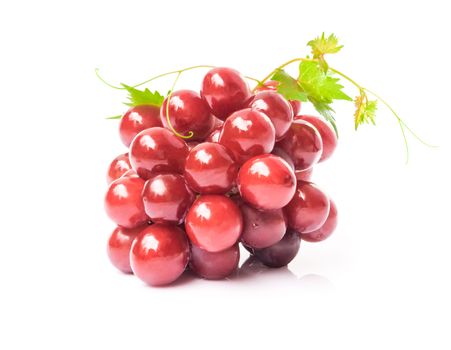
248, 133
188, 112
303, 144
309, 208
214, 266
123, 203
328, 135
261, 228
137, 119
281, 253
266, 182
210, 169
271, 85
326, 229
159, 254
225, 91
157, 150
214, 223
277, 109
167, 198
118, 167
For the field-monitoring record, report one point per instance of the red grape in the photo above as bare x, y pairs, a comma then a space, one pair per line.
188, 112
214, 135
214, 266
277, 109
261, 228
309, 208
248, 133
303, 144
159, 254
304, 175
137, 119
225, 90
119, 245
328, 135
157, 150
118, 167
214, 223
210, 169
277, 151
123, 203
281, 253
167, 198
326, 230
266, 182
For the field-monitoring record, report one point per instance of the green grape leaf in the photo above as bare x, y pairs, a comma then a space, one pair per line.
319, 85
143, 97
365, 111
321, 45
288, 87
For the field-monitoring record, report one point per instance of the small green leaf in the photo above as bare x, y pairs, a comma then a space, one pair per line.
288, 87
321, 45
143, 97
365, 110
115, 117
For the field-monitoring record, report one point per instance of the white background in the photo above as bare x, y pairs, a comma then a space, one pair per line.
382, 281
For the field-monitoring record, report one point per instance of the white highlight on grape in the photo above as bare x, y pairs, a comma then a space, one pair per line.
120, 191
260, 168
203, 156
177, 102
241, 123
136, 117
217, 80
150, 243
260, 104
157, 186
203, 211
147, 141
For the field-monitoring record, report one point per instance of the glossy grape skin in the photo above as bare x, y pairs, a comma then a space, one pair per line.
214, 135
188, 112
157, 150
119, 244
159, 254
277, 109
304, 175
123, 203
247, 133
214, 223
303, 144
281, 253
118, 167
309, 208
214, 266
225, 90
271, 85
210, 169
277, 151
167, 198
261, 228
137, 119
328, 135
266, 182
326, 229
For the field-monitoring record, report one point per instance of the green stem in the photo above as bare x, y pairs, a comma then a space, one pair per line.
401, 122
168, 119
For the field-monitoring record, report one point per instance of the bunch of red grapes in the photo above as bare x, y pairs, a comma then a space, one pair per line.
243, 177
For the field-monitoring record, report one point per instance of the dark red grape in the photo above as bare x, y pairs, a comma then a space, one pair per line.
281, 253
